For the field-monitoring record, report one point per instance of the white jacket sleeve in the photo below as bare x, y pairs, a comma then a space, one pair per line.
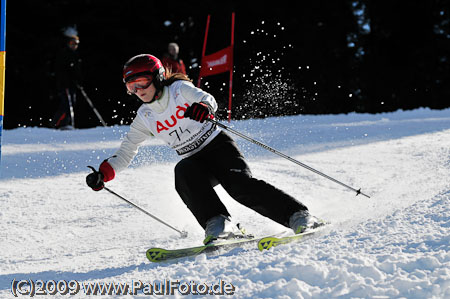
196, 95
129, 148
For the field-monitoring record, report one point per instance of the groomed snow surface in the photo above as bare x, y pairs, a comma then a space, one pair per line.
394, 245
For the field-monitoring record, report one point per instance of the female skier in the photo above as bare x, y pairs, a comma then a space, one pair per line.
175, 111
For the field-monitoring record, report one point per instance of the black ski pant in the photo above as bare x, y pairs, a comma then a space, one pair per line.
221, 162
67, 100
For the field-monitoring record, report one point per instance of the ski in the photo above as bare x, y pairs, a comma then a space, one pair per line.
156, 254
162, 255
273, 241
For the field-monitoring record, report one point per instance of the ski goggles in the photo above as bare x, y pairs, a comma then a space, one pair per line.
138, 83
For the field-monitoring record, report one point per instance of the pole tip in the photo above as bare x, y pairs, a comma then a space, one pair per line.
358, 192
184, 234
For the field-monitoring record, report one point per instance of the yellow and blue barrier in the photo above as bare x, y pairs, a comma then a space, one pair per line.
2, 66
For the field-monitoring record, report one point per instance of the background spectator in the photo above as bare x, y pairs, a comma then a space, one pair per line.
68, 76
171, 60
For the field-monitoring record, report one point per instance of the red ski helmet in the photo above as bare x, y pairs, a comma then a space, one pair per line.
144, 64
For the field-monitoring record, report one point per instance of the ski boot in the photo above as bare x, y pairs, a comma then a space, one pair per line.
220, 228
302, 221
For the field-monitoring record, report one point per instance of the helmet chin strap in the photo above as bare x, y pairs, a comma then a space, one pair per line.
156, 97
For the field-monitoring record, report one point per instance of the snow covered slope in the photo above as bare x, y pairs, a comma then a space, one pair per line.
395, 244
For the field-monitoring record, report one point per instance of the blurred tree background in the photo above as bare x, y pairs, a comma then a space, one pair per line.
304, 57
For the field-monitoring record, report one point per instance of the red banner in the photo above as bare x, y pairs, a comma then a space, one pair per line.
219, 62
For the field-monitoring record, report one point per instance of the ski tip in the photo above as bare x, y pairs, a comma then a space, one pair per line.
265, 243
156, 254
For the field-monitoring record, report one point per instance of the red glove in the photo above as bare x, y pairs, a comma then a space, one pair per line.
198, 112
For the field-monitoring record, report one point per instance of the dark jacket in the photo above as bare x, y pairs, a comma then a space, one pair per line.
176, 66
67, 69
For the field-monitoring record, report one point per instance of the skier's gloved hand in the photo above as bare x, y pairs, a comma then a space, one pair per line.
198, 112
96, 180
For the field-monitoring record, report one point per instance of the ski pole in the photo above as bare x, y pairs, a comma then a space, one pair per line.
72, 114
91, 104
284, 156
183, 234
